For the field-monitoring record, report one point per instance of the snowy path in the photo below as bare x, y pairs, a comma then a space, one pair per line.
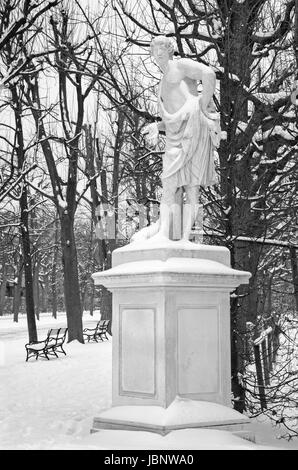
51, 404
46, 403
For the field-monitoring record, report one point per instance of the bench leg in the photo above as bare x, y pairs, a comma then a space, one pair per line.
101, 335
50, 352
62, 350
33, 353
42, 353
37, 354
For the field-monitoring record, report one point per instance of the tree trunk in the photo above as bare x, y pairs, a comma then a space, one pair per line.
17, 293
32, 331
36, 289
237, 363
84, 290
294, 265
45, 294
90, 283
103, 245
3, 289
106, 306
71, 280
91, 305
54, 272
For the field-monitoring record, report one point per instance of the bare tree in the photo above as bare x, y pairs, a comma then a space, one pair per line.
70, 61
20, 21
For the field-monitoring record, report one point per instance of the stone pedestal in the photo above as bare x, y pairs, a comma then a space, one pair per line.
171, 335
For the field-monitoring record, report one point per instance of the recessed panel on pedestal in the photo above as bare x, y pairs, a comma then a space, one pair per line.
137, 352
198, 350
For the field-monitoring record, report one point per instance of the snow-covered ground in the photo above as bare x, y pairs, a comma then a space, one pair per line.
51, 404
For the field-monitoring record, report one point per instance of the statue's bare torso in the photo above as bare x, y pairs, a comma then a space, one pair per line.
176, 88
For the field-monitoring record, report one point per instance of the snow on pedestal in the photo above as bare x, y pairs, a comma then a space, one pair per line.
171, 337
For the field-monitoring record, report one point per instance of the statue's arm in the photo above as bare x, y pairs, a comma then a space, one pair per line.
196, 71
151, 131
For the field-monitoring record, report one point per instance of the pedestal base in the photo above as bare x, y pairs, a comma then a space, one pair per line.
171, 323
171, 338
181, 414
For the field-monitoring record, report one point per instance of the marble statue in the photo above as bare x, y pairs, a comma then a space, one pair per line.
192, 132
173, 297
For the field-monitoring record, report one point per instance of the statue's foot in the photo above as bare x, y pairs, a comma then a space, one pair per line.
186, 240
158, 238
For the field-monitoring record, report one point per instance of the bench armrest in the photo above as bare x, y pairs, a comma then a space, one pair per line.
36, 345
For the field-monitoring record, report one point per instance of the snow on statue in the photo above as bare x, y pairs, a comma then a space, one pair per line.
192, 132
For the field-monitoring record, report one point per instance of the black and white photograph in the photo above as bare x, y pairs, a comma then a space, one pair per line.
149, 228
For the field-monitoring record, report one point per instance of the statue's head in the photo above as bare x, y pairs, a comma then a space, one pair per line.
162, 41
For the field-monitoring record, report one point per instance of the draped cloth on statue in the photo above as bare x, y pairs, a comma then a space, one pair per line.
190, 142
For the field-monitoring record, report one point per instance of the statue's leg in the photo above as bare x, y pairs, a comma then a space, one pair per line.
190, 210
177, 215
166, 207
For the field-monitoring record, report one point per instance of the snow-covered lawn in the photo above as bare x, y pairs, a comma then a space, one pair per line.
51, 404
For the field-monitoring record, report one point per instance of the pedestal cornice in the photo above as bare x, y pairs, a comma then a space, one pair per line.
180, 272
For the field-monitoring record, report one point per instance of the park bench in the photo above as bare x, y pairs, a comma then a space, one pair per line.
52, 345
99, 332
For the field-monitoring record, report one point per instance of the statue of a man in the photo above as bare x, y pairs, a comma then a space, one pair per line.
192, 132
